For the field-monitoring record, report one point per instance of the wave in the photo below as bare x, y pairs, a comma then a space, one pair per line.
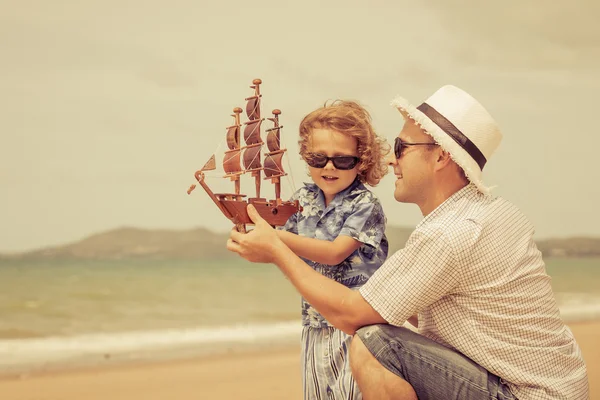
18, 355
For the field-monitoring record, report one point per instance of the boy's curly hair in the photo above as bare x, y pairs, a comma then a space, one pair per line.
350, 118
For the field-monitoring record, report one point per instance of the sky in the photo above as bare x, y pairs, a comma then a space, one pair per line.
107, 108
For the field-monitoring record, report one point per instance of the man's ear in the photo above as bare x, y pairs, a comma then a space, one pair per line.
443, 159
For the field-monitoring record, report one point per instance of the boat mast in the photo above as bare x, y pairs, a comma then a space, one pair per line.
252, 159
273, 159
231, 158
236, 115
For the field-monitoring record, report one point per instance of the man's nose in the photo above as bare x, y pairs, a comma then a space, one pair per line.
391, 160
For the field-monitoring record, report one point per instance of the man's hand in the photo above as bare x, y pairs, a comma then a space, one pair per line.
258, 245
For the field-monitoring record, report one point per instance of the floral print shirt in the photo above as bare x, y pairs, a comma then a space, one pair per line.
354, 212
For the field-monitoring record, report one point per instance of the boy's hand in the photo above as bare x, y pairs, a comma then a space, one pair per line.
258, 245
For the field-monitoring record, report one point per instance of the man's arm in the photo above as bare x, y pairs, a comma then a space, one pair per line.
321, 251
345, 308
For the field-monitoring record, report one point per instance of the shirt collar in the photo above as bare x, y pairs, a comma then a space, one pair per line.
339, 197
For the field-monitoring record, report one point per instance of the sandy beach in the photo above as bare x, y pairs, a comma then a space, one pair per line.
266, 375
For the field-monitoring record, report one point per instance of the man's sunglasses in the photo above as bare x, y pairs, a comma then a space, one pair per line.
339, 162
399, 144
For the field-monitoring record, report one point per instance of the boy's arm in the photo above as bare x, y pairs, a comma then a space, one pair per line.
321, 251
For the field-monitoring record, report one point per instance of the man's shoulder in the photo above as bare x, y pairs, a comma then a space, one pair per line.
487, 211
459, 224
452, 228
465, 223
476, 207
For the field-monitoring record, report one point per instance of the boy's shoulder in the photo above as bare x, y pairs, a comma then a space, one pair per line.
304, 190
361, 194
357, 193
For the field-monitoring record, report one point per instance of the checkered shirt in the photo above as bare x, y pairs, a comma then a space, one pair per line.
475, 277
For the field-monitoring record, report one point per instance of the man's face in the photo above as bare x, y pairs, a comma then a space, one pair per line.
414, 169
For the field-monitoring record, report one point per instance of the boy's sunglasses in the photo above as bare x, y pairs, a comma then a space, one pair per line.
399, 144
339, 162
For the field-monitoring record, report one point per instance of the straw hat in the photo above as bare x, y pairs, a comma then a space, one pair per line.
460, 125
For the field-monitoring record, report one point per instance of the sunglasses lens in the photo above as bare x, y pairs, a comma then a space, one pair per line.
397, 148
345, 162
316, 160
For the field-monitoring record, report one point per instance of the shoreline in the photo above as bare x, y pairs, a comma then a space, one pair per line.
249, 373
99, 363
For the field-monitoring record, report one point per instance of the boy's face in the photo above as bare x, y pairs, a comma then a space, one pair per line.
332, 143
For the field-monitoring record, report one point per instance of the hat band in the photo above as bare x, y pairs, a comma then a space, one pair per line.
454, 133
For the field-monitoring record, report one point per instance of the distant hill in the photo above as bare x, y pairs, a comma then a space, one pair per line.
124, 243
135, 243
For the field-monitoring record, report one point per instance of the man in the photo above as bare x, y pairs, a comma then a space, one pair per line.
470, 276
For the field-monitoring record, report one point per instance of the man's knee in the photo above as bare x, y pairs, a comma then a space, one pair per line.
373, 379
360, 356
357, 349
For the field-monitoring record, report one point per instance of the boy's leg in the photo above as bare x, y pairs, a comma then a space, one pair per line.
433, 371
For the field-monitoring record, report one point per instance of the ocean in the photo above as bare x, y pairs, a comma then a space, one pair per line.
57, 313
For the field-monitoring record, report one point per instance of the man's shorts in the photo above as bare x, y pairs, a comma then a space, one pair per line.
433, 370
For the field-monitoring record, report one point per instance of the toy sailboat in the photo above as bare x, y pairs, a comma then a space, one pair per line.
276, 212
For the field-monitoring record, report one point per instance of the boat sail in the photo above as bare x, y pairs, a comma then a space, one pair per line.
276, 211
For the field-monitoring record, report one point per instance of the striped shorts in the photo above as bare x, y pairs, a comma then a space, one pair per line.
325, 365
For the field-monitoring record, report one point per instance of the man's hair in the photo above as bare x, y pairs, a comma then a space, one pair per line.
350, 118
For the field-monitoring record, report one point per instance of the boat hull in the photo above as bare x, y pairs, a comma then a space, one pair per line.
275, 214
